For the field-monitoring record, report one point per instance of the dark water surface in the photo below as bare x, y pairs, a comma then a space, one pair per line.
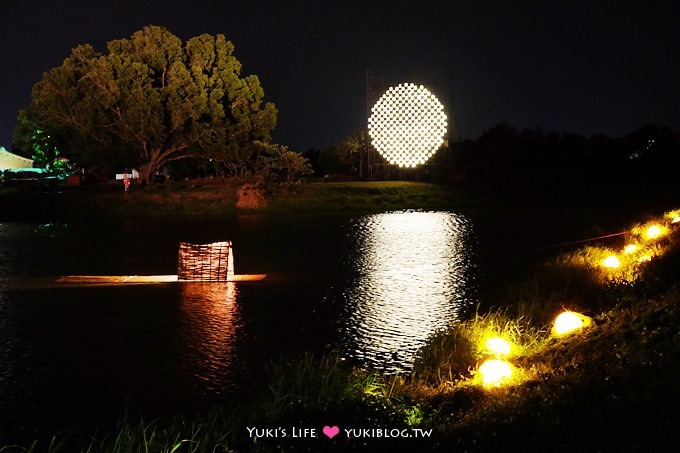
372, 287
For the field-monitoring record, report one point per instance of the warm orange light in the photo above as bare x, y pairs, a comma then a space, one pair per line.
611, 262
673, 216
644, 259
498, 346
495, 372
630, 248
653, 232
568, 322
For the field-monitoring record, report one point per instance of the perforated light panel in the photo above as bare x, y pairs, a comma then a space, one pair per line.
407, 125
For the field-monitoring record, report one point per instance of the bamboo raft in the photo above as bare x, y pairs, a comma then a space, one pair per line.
197, 263
146, 279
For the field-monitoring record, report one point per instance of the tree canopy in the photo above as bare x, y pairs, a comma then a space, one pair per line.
150, 100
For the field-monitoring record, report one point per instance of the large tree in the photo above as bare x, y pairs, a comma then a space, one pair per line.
150, 100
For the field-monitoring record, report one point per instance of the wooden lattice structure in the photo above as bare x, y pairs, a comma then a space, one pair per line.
205, 262
196, 263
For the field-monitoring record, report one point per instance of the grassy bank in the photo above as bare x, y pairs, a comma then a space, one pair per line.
219, 197
612, 386
370, 196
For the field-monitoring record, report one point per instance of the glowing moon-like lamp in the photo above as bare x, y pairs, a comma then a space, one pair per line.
407, 125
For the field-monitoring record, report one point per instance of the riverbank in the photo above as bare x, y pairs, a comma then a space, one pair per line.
613, 386
210, 198
220, 197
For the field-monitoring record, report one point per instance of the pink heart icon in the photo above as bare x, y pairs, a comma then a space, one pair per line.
331, 431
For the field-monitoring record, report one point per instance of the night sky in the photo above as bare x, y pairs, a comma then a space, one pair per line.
583, 66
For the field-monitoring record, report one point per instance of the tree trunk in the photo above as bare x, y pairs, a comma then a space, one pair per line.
146, 172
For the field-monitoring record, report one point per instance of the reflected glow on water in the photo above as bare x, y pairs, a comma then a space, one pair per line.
209, 325
412, 280
77, 354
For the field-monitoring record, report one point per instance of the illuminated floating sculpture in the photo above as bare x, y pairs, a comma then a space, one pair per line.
407, 125
212, 262
569, 322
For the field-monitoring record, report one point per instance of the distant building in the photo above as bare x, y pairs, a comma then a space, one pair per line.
134, 174
9, 161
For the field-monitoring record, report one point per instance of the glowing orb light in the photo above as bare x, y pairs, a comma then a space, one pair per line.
498, 346
654, 232
495, 372
644, 259
630, 248
407, 125
673, 216
611, 262
568, 322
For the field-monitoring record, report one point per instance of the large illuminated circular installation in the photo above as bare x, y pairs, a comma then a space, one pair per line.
407, 125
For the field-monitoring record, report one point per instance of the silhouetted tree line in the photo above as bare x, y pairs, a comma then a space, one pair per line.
530, 161
568, 165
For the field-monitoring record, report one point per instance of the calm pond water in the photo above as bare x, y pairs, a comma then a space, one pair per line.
373, 287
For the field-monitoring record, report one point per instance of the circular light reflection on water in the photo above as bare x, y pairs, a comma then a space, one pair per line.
412, 280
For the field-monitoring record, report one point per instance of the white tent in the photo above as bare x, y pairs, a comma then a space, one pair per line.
9, 161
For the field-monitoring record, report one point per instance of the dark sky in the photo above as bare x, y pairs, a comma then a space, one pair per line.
583, 66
